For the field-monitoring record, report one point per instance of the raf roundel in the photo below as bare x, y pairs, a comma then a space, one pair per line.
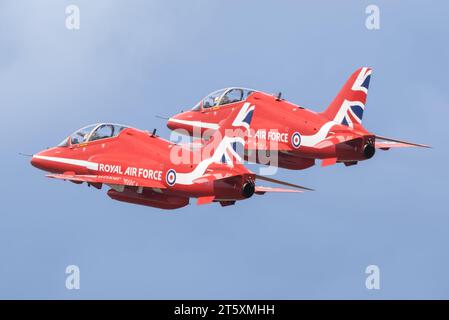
171, 177
296, 140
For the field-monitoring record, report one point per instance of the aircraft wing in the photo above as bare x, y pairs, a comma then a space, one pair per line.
110, 180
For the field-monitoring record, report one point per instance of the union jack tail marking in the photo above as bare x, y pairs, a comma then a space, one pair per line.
348, 106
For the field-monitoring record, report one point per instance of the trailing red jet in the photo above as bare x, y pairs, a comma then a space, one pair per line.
142, 168
297, 135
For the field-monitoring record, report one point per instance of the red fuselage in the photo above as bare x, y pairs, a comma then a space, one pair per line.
298, 135
143, 166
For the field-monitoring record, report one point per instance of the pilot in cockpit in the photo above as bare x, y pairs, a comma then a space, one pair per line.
225, 100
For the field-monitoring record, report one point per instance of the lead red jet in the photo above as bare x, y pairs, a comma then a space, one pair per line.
297, 135
142, 168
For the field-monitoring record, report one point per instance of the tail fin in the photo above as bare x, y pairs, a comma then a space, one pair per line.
348, 106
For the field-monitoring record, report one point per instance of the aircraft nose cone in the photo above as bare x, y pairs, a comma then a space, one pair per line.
184, 121
172, 122
36, 162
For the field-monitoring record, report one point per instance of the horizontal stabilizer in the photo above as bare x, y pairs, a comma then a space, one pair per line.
282, 182
263, 190
388, 143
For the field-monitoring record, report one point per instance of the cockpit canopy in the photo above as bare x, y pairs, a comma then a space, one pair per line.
223, 97
93, 132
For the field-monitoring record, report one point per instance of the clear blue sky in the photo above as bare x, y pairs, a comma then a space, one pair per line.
132, 60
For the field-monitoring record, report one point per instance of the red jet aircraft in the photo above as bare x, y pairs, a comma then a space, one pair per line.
299, 136
142, 168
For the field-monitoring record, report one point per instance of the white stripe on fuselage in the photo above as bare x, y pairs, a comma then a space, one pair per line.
220, 151
306, 141
189, 177
198, 124
82, 163
312, 140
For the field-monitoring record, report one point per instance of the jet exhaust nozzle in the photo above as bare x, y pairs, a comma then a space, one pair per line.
368, 151
248, 189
